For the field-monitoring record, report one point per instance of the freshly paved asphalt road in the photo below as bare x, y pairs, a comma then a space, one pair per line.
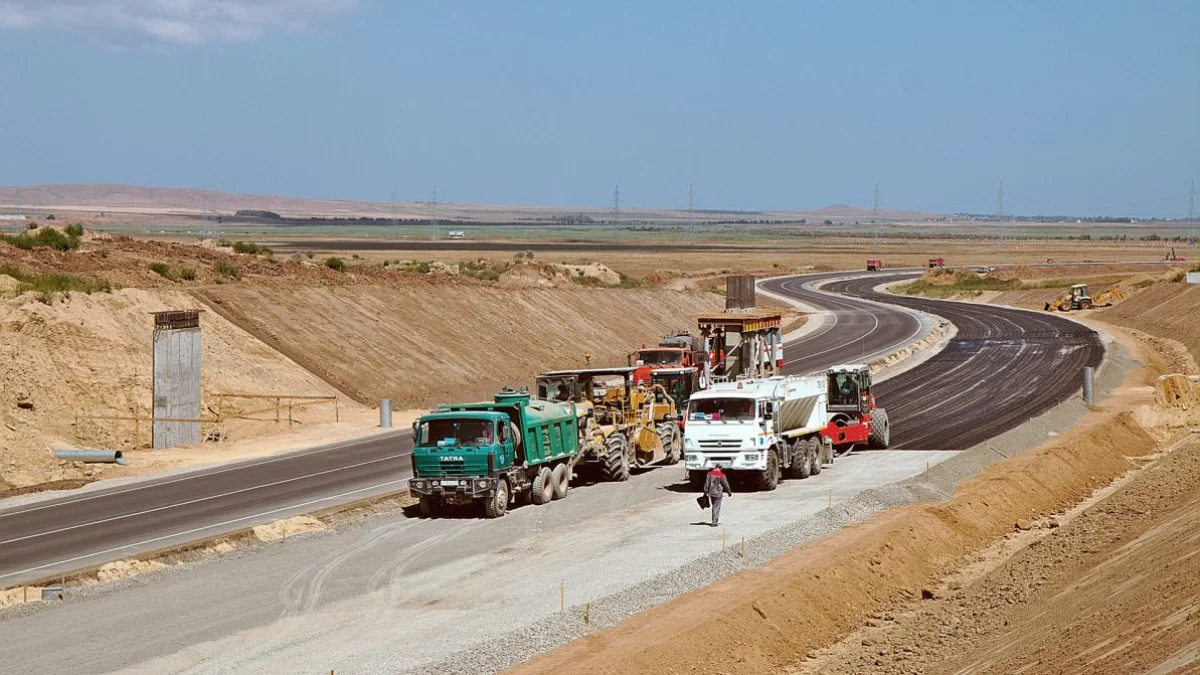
48, 538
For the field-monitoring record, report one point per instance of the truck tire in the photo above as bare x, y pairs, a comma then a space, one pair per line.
543, 487
881, 430
814, 452
497, 505
560, 481
696, 480
768, 479
801, 466
429, 508
614, 466
668, 433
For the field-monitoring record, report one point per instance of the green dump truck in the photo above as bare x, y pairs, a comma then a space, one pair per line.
490, 453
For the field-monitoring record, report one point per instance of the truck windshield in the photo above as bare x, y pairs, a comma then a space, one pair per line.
454, 432
659, 357
728, 409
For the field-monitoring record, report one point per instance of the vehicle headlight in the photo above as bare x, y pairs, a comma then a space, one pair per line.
485, 483
751, 456
691, 458
436, 483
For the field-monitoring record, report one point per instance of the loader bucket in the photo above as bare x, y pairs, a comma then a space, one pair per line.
648, 441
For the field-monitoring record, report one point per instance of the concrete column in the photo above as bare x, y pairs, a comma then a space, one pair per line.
1089, 374
385, 413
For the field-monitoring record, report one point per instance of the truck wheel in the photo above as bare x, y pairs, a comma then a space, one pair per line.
800, 465
696, 480
614, 466
769, 479
560, 481
497, 506
428, 507
543, 487
668, 433
814, 453
881, 430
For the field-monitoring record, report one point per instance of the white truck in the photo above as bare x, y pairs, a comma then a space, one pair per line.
768, 427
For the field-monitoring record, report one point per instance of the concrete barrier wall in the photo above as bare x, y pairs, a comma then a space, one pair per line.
176, 386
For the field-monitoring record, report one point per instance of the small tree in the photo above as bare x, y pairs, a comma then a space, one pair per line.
336, 264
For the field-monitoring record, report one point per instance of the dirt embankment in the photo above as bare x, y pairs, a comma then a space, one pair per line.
765, 620
436, 344
90, 355
1167, 310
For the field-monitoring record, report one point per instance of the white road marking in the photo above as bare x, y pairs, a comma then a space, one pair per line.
198, 529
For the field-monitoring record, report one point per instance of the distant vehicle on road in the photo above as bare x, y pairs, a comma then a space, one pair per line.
874, 265
937, 262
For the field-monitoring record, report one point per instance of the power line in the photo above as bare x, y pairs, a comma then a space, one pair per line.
691, 204
875, 211
433, 217
616, 201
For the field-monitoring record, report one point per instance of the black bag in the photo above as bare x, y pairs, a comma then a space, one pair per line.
703, 501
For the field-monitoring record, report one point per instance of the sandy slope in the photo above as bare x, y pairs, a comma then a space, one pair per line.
438, 343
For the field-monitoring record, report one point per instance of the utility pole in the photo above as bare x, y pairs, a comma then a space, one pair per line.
616, 202
395, 230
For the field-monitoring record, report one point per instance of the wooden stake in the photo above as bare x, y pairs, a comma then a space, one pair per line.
562, 596
337, 413
743, 553
25, 594
278, 405
587, 614
289, 416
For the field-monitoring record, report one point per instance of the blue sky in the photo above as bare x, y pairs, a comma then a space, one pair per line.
1079, 107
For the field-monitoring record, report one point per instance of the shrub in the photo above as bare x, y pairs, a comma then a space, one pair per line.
163, 270
482, 270
74, 230
355, 256
628, 281
251, 248
51, 217
310, 254
416, 267
49, 283
224, 243
187, 273
226, 269
46, 238
336, 264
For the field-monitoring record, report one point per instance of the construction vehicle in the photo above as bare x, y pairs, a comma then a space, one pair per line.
1079, 298
741, 343
679, 383
490, 453
1171, 257
625, 425
854, 418
874, 265
761, 429
782, 426
681, 350
937, 262
1177, 390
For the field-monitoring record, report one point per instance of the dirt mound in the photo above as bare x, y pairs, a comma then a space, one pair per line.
290, 527
1070, 273
764, 620
436, 344
90, 355
1113, 590
1167, 310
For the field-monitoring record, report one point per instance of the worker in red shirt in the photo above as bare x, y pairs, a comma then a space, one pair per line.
716, 486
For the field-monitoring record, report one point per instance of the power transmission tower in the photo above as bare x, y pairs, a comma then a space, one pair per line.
1000, 210
395, 230
692, 200
616, 201
433, 217
875, 212
1192, 210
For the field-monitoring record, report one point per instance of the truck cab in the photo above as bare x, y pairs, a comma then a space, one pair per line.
679, 383
484, 453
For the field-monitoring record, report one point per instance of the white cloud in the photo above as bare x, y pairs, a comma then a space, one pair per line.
179, 21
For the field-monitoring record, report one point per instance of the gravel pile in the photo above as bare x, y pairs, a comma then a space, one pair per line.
934, 484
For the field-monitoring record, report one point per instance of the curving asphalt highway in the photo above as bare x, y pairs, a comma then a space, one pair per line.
1002, 368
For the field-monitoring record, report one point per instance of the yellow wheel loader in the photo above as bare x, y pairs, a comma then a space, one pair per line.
1078, 298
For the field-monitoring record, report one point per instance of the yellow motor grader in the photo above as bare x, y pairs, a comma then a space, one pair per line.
1078, 298
628, 425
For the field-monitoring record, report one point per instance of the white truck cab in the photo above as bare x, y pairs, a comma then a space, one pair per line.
763, 426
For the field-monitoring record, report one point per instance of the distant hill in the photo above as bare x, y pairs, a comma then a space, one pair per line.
166, 200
